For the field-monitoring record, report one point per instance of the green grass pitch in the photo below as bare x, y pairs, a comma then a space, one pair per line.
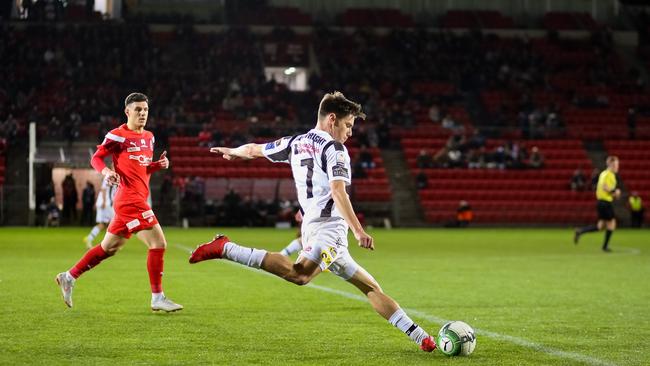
533, 297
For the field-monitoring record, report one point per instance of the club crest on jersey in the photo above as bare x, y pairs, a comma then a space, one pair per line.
142, 159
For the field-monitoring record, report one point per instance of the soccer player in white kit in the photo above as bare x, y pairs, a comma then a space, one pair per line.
320, 164
104, 207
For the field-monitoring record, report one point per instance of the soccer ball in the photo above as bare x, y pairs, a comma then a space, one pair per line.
456, 339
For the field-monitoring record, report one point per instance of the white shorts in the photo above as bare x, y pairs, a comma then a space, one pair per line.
104, 214
326, 243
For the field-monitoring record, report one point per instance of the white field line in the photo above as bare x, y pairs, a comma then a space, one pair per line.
432, 318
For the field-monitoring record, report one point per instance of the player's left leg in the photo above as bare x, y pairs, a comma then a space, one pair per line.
346, 268
610, 226
154, 238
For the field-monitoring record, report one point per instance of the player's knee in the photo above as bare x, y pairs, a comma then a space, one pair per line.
298, 279
111, 251
159, 245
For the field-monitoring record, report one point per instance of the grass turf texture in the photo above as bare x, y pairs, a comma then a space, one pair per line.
563, 304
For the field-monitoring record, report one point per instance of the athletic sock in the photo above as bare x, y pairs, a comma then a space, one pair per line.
93, 257
155, 263
247, 256
608, 234
93, 233
402, 321
293, 247
588, 229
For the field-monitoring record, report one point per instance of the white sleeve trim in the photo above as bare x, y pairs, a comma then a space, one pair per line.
114, 137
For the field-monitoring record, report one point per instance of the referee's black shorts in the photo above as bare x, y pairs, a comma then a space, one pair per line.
605, 210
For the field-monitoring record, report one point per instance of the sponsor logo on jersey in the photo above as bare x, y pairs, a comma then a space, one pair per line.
306, 148
269, 146
133, 224
142, 159
339, 170
148, 215
132, 149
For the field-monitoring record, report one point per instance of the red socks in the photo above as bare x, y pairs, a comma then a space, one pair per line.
93, 257
96, 254
155, 268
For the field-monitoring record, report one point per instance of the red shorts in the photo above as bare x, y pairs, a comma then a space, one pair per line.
132, 218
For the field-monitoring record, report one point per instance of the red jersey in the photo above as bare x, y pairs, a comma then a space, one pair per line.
133, 159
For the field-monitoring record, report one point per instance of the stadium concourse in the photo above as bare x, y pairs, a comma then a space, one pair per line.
499, 119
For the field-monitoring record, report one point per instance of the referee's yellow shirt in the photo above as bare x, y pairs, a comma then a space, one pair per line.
606, 178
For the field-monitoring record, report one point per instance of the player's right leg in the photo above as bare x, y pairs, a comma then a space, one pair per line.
92, 258
300, 273
610, 226
388, 308
293, 247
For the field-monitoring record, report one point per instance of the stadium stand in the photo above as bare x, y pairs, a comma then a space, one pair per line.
375, 17
210, 88
513, 195
190, 159
477, 19
557, 20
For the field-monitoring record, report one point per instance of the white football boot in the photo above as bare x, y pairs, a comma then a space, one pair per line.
66, 283
165, 304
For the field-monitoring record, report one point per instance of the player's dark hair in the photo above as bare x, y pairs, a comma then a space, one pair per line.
611, 159
341, 106
135, 97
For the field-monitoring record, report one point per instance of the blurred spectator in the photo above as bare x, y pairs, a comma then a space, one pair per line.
424, 160
205, 136
476, 159
70, 199
578, 181
87, 205
434, 113
594, 178
637, 210
464, 215
365, 156
166, 188
358, 170
421, 180
536, 159
631, 123
53, 214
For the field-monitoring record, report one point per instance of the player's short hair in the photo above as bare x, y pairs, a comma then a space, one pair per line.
611, 159
135, 97
341, 106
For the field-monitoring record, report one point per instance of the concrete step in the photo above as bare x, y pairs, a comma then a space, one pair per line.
406, 207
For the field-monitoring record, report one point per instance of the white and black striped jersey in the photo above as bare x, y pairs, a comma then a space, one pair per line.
110, 194
316, 160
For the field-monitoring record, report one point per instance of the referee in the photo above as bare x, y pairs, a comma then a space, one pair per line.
606, 192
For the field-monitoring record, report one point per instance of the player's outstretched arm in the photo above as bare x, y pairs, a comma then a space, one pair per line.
342, 202
246, 152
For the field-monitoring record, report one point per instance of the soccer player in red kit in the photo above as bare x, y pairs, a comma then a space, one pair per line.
131, 147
